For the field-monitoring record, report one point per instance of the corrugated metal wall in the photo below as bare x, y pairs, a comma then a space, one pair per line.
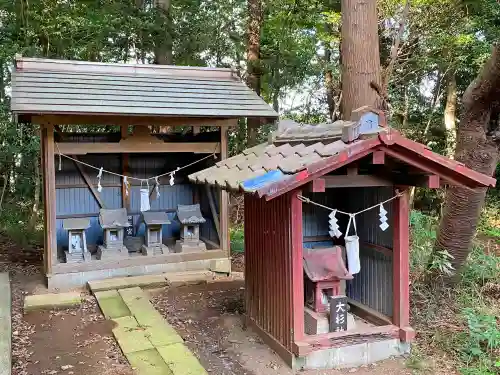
268, 266
373, 285
75, 198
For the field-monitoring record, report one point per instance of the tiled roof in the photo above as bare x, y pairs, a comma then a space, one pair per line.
81, 87
297, 154
292, 150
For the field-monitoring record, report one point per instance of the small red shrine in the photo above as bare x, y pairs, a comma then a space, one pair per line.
302, 191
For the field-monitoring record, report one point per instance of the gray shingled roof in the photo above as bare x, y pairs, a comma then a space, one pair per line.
292, 149
116, 218
190, 214
152, 218
78, 87
76, 223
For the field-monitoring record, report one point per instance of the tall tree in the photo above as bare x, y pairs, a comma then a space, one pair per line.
450, 118
478, 140
253, 61
360, 55
163, 37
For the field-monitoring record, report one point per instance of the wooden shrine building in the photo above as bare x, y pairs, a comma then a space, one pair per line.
138, 121
301, 190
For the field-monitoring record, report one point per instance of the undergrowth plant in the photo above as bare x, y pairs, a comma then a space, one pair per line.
460, 323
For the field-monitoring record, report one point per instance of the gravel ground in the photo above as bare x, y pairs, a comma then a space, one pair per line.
74, 341
209, 318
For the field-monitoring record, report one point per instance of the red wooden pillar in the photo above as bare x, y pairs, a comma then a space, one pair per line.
297, 268
401, 267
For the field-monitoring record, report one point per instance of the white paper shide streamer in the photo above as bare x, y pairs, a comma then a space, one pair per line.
383, 218
99, 176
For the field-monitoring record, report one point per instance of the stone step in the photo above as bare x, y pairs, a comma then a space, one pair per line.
147, 281
52, 301
157, 329
112, 304
5, 325
130, 335
148, 362
176, 279
180, 360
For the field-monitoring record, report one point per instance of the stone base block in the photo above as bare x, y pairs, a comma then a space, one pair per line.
318, 323
52, 301
112, 253
190, 247
77, 257
220, 266
352, 355
156, 250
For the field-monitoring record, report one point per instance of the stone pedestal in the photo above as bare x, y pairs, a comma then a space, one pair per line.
183, 246
155, 250
77, 257
104, 252
318, 323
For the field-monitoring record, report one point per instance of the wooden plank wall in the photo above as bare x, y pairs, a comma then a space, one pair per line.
268, 267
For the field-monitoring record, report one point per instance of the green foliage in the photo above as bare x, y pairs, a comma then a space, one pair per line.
481, 267
237, 239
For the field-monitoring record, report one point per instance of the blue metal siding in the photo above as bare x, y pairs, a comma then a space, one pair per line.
79, 200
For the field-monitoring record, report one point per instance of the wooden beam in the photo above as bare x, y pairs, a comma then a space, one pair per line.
356, 181
117, 148
213, 209
316, 186
433, 181
297, 265
378, 157
225, 240
49, 181
87, 180
368, 314
401, 265
114, 119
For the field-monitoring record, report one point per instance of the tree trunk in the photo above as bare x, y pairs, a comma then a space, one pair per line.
36, 198
253, 62
163, 42
360, 55
476, 148
450, 119
330, 89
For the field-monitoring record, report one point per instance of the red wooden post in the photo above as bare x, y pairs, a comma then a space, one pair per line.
378, 157
433, 181
297, 268
401, 267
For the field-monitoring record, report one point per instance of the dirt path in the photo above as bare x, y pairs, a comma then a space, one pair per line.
209, 318
72, 342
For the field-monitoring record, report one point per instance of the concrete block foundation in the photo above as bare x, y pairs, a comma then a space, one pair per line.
355, 355
67, 281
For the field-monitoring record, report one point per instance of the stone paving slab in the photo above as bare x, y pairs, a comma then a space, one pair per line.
180, 360
128, 282
156, 328
52, 301
5, 325
112, 304
130, 336
148, 362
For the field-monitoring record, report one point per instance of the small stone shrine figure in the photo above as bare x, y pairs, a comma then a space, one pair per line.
190, 219
77, 242
153, 243
114, 223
